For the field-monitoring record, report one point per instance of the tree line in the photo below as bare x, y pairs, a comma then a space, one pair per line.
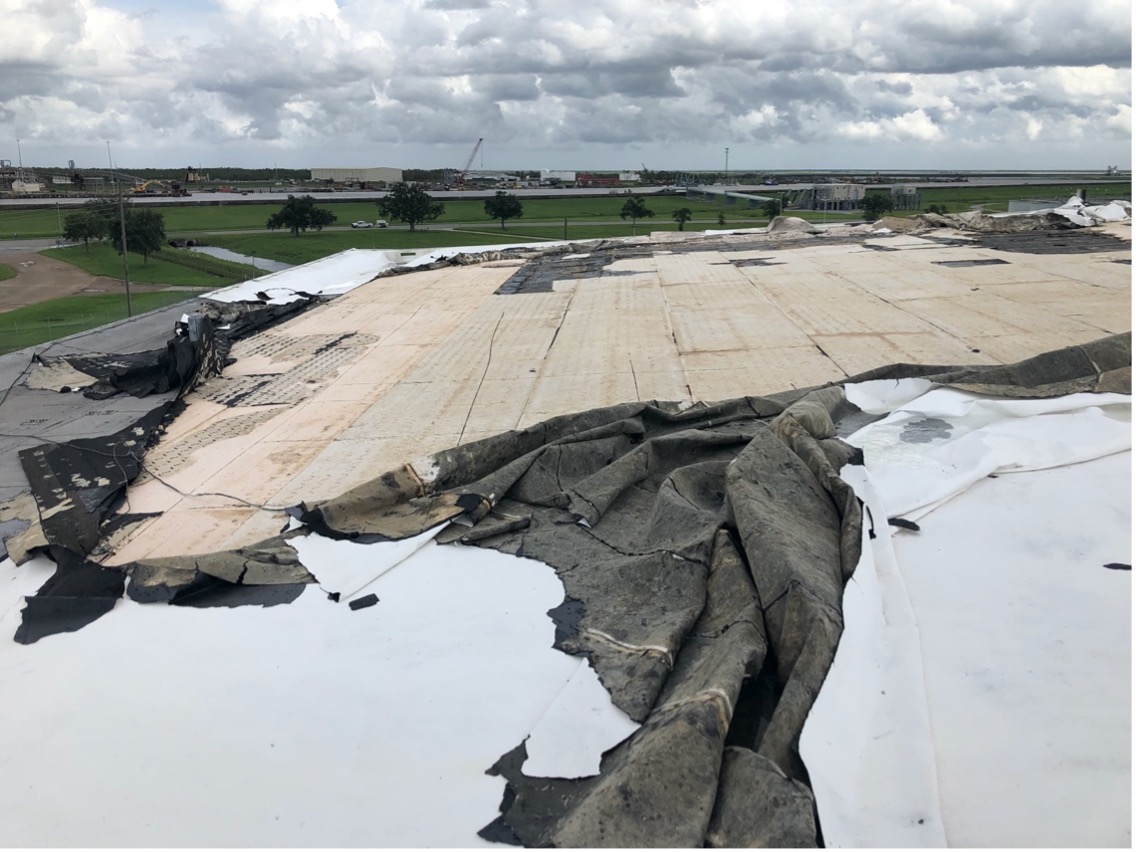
102, 219
412, 205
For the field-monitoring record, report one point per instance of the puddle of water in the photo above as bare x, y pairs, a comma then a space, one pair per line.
236, 257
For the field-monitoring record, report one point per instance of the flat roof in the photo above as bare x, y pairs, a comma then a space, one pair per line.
411, 364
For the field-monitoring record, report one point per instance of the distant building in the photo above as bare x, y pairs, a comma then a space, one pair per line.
836, 196
597, 179
556, 176
379, 174
629, 177
906, 196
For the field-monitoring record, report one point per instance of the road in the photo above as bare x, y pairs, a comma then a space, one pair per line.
267, 197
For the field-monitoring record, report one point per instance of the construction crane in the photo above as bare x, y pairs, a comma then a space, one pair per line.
469, 162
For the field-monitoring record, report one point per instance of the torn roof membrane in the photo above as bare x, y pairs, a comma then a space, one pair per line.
565, 419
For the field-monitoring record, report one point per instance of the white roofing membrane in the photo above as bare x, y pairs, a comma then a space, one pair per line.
300, 725
980, 694
329, 276
981, 691
343, 272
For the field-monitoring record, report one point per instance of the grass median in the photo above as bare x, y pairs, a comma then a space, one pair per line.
102, 259
51, 320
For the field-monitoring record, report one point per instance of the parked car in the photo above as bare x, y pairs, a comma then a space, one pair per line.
361, 224
380, 223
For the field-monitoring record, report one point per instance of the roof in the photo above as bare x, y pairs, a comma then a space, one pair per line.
403, 401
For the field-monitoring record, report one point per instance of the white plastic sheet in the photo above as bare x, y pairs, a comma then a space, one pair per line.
304, 724
329, 276
986, 659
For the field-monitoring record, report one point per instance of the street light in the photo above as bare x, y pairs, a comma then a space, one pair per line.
122, 225
726, 180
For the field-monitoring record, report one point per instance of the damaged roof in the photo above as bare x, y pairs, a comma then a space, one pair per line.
660, 410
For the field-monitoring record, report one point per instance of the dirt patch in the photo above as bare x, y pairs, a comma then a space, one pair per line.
40, 279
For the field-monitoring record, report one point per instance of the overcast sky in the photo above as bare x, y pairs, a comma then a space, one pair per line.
569, 84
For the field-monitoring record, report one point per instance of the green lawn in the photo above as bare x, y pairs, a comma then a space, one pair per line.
102, 259
57, 318
196, 219
961, 197
6, 272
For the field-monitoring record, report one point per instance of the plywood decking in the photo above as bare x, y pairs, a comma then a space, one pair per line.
435, 359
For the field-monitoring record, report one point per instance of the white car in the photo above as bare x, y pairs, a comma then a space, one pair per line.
361, 224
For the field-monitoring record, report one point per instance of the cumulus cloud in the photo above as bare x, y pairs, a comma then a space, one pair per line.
414, 82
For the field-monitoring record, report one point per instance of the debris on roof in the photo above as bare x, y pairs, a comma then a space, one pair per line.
456, 450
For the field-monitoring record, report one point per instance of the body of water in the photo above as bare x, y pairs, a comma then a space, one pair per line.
236, 257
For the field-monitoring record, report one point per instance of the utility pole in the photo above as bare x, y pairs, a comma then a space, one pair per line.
726, 179
122, 225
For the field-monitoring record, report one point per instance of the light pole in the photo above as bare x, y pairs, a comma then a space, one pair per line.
727, 178
122, 225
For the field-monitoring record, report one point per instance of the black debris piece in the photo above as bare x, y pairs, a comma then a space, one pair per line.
1068, 239
904, 524
962, 264
567, 616
78, 593
208, 592
1118, 566
76, 484
364, 602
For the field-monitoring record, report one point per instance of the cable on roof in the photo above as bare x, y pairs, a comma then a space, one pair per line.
142, 466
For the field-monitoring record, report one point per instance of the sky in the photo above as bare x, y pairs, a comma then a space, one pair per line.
568, 84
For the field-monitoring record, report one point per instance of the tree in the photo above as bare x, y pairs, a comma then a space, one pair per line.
503, 206
772, 207
145, 232
86, 225
300, 214
941, 209
875, 205
411, 204
104, 210
682, 216
721, 220
635, 208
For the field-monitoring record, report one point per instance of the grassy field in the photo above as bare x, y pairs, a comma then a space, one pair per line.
6, 272
193, 219
57, 318
996, 199
102, 259
197, 219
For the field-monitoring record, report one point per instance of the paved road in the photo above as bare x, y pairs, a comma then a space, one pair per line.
265, 197
26, 245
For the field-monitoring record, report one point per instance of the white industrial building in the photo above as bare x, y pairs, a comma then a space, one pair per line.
557, 176
355, 174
